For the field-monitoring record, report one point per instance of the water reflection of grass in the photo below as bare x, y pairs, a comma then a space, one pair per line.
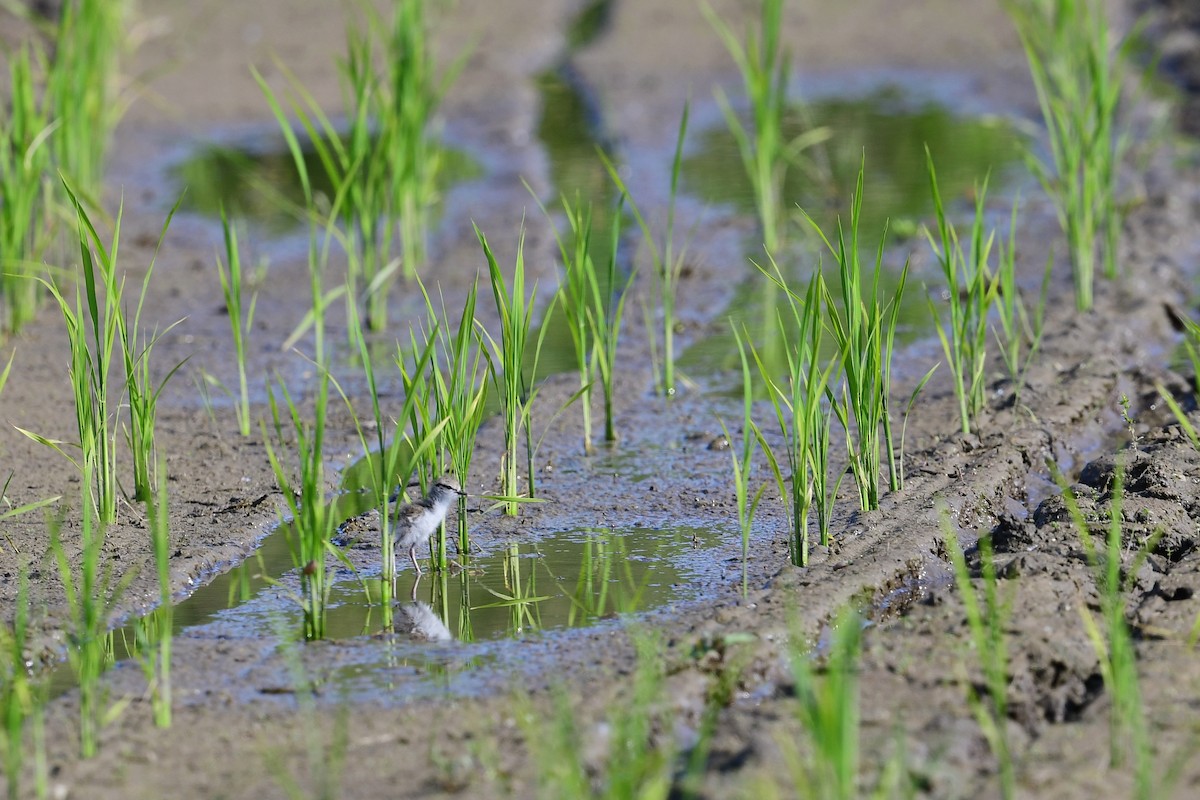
892, 133
250, 183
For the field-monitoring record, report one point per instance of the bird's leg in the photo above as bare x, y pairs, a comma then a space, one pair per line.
416, 583
412, 554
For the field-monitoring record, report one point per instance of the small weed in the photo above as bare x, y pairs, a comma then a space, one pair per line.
828, 714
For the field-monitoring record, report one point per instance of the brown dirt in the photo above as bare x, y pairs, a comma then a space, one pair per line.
231, 718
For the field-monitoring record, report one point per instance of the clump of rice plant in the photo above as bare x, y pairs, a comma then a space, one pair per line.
828, 714
1077, 74
1111, 637
667, 261
386, 461
22, 699
360, 201
141, 390
310, 528
593, 303
460, 388
987, 618
324, 752
94, 329
803, 422
81, 87
385, 164
764, 150
409, 106
635, 765
971, 288
864, 329
25, 127
91, 596
513, 381
312, 523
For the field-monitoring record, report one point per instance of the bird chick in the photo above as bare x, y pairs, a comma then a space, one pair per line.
416, 521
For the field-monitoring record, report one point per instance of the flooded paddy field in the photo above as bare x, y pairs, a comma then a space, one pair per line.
622, 635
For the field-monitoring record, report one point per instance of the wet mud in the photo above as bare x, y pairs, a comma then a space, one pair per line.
428, 711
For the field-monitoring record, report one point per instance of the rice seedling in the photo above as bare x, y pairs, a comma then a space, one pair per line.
25, 127
743, 464
803, 423
634, 764
764, 149
605, 315
91, 596
987, 618
971, 288
1191, 346
514, 378
448, 392
155, 631
1078, 74
1020, 325
828, 714
667, 261
1111, 637
312, 520
1189, 430
22, 699
140, 389
864, 329
96, 408
358, 180
241, 318
386, 163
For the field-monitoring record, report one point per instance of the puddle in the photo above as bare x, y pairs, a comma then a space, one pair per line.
260, 184
758, 303
891, 126
570, 131
570, 579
